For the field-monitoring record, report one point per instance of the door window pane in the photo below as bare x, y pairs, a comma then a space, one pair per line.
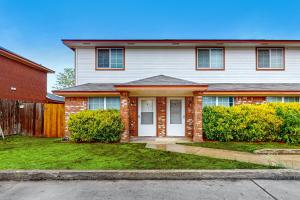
147, 111
175, 111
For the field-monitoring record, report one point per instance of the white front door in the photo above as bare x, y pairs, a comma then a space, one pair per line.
175, 116
147, 116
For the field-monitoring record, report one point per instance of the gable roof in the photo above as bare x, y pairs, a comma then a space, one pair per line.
18, 58
160, 80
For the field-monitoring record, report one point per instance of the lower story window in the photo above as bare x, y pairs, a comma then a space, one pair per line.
217, 101
96, 103
283, 99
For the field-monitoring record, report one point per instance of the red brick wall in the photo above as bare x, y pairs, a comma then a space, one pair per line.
249, 100
74, 105
197, 118
133, 116
124, 111
161, 111
30, 84
189, 116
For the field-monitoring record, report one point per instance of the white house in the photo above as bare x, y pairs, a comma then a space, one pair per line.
160, 86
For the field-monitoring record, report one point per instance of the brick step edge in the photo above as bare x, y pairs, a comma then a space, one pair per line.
38, 175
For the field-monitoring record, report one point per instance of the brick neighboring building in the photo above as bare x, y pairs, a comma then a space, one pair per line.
161, 86
22, 79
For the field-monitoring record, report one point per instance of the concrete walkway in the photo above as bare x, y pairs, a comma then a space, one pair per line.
287, 161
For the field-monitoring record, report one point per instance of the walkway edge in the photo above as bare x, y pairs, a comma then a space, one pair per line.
37, 175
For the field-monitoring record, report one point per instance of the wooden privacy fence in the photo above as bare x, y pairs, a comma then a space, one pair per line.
31, 119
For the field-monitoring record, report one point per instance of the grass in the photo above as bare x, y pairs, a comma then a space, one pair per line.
244, 146
19, 152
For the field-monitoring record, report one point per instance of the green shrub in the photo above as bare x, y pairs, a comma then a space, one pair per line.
96, 126
253, 123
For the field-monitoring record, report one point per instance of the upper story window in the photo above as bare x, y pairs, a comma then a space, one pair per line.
210, 58
270, 58
110, 58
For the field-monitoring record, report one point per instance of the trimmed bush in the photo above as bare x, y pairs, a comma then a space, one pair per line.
96, 126
253, 123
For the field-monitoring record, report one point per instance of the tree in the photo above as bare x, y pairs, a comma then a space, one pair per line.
65, 79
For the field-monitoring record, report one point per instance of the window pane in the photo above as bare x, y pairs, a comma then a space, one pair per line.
103, 58
117, 58
113, 103
276, 58
203, 58
209, 101
291, 99
217, 59
274, 99
175, 111
223, 101
147, 112
263, 58
96, 103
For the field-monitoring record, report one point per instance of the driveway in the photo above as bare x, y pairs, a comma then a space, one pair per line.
146, 189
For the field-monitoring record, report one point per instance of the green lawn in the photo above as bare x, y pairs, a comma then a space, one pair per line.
41, 153
244, 146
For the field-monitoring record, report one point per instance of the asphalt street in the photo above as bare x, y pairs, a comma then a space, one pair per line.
147, 189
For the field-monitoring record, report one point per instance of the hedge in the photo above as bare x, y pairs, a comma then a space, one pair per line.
96, 126
253, 123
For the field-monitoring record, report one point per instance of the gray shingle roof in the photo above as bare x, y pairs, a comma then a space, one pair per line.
55, 97
90, 87
160, 80
254, 87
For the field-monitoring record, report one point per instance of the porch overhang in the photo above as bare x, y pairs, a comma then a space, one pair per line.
161, 90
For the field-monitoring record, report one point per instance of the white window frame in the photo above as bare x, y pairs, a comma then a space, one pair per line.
209, 67
270, 58
104, 101
109, 59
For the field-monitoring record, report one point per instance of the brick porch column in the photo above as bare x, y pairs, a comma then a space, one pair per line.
197, 121
124, 111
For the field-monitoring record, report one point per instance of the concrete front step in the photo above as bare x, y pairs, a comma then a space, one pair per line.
160, 140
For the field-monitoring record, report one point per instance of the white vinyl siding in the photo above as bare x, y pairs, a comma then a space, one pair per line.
283, 99
112, 58
210, 58
217, 101
179, 62
270, 58
103, 103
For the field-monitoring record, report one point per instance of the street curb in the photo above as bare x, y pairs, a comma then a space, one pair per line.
38, 175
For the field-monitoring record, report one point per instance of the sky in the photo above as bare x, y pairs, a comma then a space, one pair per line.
34, 28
